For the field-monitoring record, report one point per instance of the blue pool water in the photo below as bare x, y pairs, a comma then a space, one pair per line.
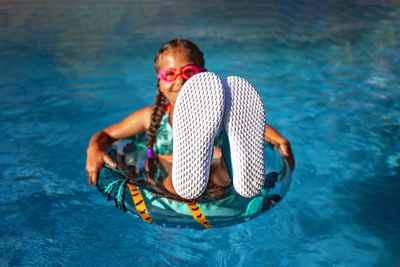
329, 76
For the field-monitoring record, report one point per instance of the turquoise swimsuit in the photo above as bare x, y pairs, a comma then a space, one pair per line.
163, 144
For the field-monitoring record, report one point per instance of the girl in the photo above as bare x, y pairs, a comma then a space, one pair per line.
176, 62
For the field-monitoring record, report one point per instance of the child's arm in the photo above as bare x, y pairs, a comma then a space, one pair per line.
135, 123
275, 138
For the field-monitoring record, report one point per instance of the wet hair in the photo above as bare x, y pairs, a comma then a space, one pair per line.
192, 50
161, 101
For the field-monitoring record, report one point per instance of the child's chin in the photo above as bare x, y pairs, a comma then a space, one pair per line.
174, 95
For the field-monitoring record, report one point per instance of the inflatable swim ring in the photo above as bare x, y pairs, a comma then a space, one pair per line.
140, 193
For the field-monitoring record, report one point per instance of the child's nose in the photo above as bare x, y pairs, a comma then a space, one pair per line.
180, 79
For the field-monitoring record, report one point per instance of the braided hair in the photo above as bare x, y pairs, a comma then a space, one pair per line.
160, 100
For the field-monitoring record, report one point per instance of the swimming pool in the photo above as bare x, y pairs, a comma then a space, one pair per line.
329, 78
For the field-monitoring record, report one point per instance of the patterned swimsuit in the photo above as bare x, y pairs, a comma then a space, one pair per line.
164, 144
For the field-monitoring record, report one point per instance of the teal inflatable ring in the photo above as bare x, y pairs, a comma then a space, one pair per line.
130, 190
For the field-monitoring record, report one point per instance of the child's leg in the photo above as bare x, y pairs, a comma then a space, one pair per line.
219, 177
244, 122
197, 116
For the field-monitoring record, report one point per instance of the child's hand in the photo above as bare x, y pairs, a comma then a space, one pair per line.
94, 161
287, 153
275, 138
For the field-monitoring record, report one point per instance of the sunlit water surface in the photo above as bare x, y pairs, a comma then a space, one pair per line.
328, 73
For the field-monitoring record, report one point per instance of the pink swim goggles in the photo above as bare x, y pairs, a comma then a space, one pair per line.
170, 74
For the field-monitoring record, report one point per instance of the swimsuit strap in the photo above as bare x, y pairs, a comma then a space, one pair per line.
167, 108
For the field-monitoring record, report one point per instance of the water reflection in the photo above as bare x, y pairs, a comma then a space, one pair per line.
327, 73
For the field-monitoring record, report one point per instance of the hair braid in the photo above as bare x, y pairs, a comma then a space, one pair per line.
156, 116
160, 101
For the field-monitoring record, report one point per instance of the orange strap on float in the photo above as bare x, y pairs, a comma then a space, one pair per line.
139, 203
198, 215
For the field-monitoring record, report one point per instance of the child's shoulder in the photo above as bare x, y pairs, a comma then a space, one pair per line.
145, 112
141, 117
147, 109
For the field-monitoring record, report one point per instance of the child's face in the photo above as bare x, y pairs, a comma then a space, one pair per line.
175, 58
